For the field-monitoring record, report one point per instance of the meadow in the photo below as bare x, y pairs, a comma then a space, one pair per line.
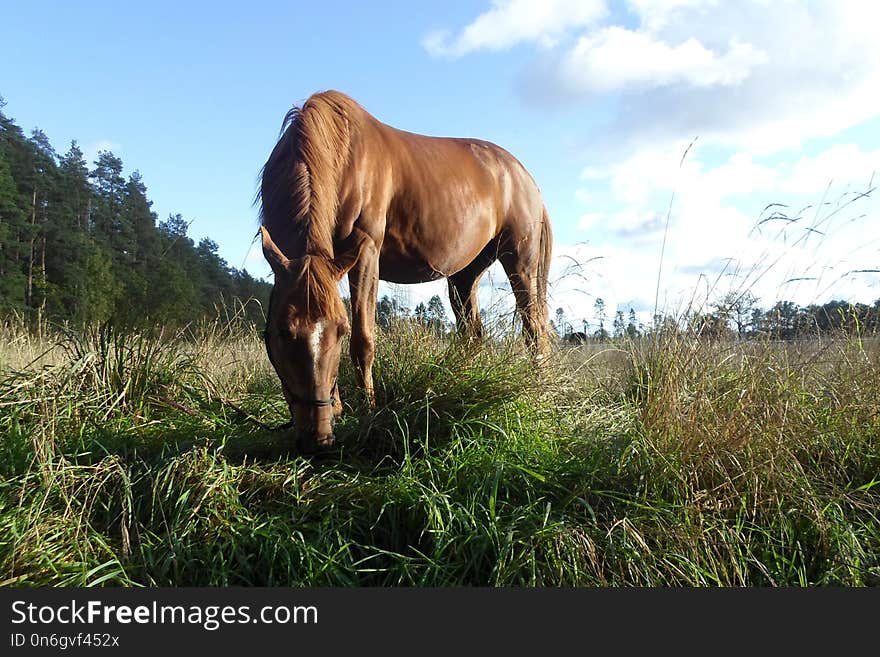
133, 459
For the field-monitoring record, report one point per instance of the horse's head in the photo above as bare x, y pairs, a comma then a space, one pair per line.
305, 327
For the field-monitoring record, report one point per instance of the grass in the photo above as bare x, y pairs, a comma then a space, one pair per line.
656, 462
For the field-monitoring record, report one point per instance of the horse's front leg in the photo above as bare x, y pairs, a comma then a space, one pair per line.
363, 282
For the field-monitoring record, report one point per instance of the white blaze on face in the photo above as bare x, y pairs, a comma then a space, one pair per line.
315, 339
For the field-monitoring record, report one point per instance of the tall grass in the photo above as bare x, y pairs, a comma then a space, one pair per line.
672, 461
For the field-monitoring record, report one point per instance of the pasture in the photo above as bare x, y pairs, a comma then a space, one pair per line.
664, 461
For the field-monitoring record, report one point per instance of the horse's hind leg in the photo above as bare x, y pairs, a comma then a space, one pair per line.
524, 262
463, 286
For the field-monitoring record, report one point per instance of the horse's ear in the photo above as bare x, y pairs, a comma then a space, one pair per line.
277, 260
349, 251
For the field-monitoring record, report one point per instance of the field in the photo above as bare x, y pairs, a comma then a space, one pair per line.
663, 461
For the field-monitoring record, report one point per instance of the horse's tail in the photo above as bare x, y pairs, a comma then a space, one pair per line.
545, 255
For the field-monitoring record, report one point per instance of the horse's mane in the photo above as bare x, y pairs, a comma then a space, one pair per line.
314, 293
299, 191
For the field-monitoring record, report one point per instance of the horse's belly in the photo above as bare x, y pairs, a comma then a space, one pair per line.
420, 261
399, 269
432, 235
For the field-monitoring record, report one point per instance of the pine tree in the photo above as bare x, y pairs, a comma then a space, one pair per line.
436, 315
14, 161
12, 280
632, 326
142, 250
174, 283
421, 314
560, 322
213, 273
67, 239
44, 182
599, 307
109, 223
619, 324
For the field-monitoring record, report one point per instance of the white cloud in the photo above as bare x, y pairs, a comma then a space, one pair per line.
615, 59
657, 14
511, 22
758, 75
588, 220
845, 163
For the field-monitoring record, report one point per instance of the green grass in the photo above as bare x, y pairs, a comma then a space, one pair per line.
667, 463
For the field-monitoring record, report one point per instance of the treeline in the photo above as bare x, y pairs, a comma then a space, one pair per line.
83, 245
738, 315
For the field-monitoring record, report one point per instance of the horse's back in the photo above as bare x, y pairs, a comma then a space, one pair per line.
466, 168
450, 197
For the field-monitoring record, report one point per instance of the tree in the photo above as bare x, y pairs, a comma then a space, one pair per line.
436, 315
709, 325
176, 272
12, 219
213, 273
421, 314
137, 209
109, 223
632, 328
560, 322
738, 307
27, 176
38, 177
388, 311
758, 322
74, 185
599, 308
783, 319
99, 297
68, 238
619, 324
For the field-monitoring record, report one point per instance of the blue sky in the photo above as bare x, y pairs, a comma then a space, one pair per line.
598, 99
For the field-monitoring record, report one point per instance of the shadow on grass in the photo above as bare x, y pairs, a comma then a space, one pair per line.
237, 441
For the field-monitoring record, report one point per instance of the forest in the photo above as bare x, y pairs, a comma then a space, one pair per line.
82, 245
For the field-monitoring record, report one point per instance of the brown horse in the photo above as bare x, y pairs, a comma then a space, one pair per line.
344, 193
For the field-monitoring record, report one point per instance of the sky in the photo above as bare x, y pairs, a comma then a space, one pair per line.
684, 148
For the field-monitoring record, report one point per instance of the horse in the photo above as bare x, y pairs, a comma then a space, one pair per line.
343, 193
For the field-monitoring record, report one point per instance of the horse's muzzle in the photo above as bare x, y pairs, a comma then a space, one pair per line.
308, 442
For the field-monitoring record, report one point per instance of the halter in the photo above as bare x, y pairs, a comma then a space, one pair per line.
296, 399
